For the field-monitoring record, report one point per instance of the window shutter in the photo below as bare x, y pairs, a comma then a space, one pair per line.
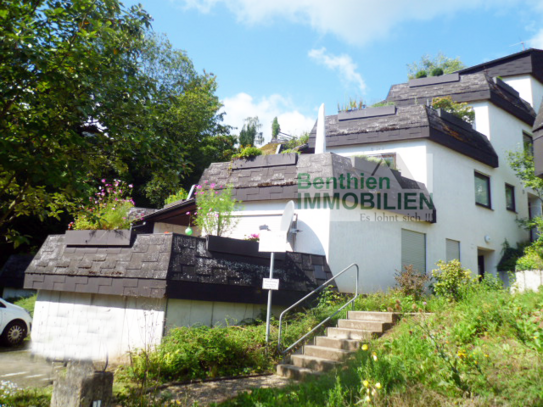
453, 249
414, 250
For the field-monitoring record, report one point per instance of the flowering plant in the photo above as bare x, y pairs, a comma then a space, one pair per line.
108, 209
253, 237
215, 206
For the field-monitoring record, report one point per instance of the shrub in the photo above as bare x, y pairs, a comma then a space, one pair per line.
180, 195
108, 209
247, 152
411, 282
421, 74
451, 279
461, 110
531, 260
215, 209
436, 72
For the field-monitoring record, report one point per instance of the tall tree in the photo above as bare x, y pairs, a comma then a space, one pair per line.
250, 134
432, 65
275, 127
87, 92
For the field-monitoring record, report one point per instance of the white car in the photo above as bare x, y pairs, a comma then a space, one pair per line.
15, 323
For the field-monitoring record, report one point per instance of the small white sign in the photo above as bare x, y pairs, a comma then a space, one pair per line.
270, 283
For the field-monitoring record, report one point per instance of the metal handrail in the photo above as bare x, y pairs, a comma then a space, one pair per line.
316, 290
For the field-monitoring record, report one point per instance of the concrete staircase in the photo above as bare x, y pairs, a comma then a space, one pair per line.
327, 352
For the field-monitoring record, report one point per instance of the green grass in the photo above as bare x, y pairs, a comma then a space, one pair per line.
14, 397
202, 352
484, 350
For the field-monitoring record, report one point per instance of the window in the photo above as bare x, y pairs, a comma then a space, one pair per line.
414, 250
482, 190
528, 141
510, 198
452, 249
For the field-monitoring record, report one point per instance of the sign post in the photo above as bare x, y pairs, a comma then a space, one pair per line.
275, 242
268, 313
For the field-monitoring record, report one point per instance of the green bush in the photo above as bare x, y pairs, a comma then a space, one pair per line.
531, 260
107, 210
436, 72
421, 74
451, 279
247, 152
203, 352
178, 196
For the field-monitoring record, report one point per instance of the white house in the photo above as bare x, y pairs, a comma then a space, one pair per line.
476, 195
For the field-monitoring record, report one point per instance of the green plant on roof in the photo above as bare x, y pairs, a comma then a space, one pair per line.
435, 66
247, 152
178, 196
215, 206
351, 105
108, 208
460, 110
421, 74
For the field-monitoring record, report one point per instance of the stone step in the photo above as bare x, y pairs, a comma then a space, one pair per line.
337, 343
373, 326
314, 363
338, 355
295, 372
390, 317
346, 333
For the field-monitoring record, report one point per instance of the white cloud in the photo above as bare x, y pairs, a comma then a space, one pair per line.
537, 40
343, 64
242, 105
354, 21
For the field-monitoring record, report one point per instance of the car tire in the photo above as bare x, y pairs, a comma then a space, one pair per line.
14, 334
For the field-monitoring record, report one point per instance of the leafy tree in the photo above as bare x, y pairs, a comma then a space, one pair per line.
438, 65
87, 93
275, 127
250, 134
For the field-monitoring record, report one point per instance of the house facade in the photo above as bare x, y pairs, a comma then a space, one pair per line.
476, 196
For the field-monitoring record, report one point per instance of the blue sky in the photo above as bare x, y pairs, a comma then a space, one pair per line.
285, 57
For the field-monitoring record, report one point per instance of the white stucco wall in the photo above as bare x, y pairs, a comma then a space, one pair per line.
90, 326
408, 157
211, 313
529, 88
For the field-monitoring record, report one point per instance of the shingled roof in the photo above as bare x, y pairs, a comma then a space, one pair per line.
408, 123
261, 178
529, 61
175, 266
463, 88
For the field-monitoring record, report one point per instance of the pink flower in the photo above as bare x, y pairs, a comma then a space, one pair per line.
198, 187
212, 186
104, 180
195, 213
130, 186
216, 215
188, 213
205, 182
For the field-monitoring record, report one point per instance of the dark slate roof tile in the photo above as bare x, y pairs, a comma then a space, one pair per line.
410, 122
470, 88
